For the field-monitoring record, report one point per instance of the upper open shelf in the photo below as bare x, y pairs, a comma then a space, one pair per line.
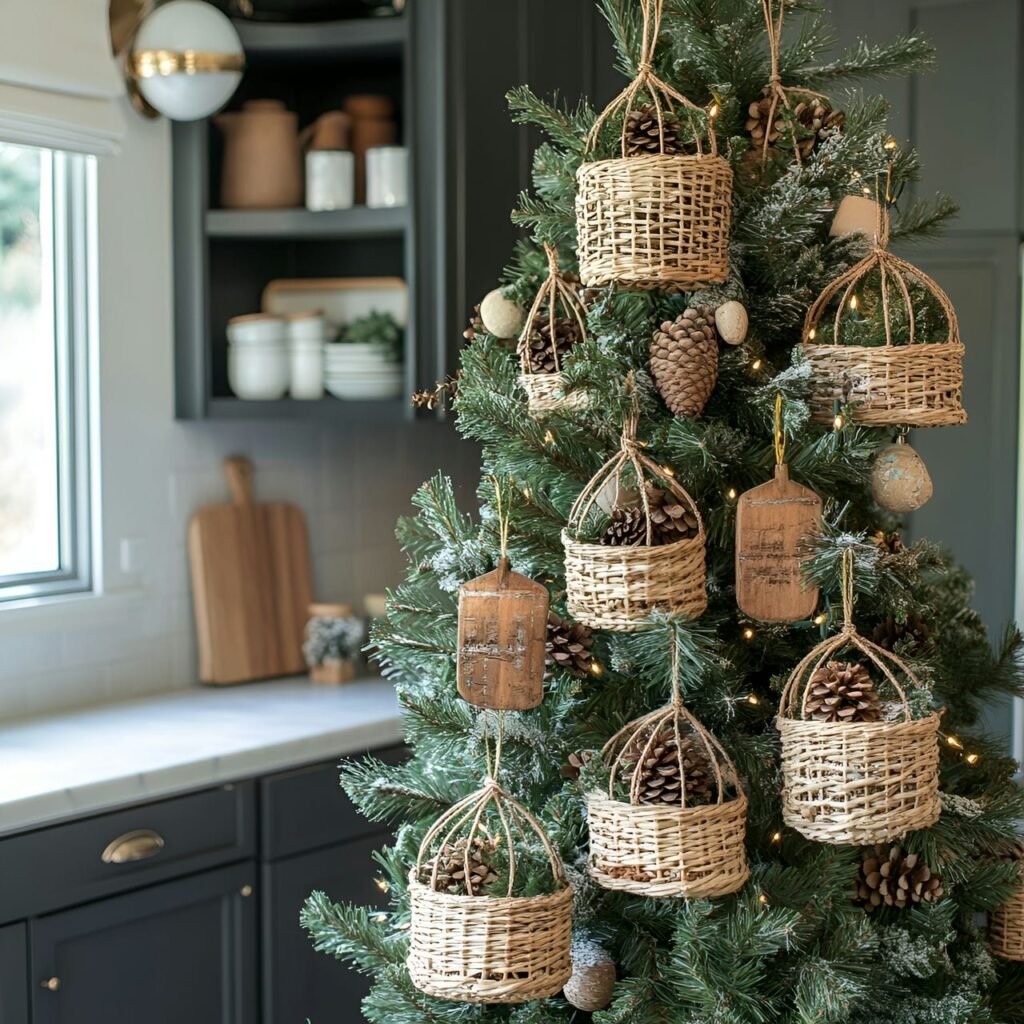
357, 222
356, 38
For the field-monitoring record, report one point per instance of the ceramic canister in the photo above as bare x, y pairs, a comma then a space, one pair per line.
387, 176
330, 179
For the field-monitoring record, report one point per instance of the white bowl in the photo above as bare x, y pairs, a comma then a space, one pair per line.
361, 390
258, 373
256, 328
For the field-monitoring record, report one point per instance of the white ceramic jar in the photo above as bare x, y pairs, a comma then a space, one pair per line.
330, 179
387, 176
257, 357
306, 334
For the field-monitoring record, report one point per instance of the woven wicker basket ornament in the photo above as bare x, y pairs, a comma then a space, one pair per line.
1006, 923
659, 220
484, 949
618, 587
856, 782
667, 849
546, 392
918, 384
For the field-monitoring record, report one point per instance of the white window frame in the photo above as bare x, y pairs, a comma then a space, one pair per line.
71, 239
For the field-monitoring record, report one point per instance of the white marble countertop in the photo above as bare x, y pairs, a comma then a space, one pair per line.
80, 762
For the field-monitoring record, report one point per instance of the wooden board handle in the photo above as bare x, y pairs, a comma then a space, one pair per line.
238, 470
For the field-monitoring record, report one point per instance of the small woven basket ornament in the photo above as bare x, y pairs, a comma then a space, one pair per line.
668, 849
857, 783
546, 392
917, 384
658, 220
481, 948
618, 587
1006, 923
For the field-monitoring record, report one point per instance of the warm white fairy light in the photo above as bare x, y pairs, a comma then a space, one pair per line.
819, 619
596, 668
668, 471
838, 421
756, 364
748, 633
731, 494
382, 884
752, 698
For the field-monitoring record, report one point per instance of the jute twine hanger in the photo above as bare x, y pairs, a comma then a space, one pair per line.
465, 820
648, 82
780, 93
555, 289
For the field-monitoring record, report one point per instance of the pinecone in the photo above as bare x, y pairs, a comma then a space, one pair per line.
670, 519
541, 353
575, 763
568, 646
888, 633
842, 691
628, 526
684, 360
819, 121
890, 543
660, 774
476, 325
896, 879
757, 122
643, 137
451, 868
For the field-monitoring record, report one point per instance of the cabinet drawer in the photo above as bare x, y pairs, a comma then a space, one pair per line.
305, 809
83, 860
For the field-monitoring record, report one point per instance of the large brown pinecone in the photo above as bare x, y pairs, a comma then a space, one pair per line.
819, 121
568, 646
815, 118
684, 360
670, 521
890, 543
451, 868
890, 877
667, 764
540, 348
643, 136
842, 691
888, 633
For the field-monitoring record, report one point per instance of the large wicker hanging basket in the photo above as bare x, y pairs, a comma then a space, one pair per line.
656, 220
667, 849
1006, 923
557, 298
486, 949
856, 782
618, 587
917, 384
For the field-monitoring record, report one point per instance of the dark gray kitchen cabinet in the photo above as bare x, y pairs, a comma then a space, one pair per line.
13, 975
184, 951
298, 982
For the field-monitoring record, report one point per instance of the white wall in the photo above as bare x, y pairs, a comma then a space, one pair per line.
137, 636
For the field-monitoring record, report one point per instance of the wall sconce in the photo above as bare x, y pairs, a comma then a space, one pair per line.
184, 61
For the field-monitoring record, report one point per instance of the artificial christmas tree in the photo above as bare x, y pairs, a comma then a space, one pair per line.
790, 944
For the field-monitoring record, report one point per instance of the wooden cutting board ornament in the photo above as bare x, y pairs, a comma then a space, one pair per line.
773, 524
251, 584
502, 642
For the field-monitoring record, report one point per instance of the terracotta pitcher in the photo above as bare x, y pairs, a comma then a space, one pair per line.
262, 156
329, 131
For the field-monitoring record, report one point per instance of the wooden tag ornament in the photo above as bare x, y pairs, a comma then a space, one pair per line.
773, 522
502, 640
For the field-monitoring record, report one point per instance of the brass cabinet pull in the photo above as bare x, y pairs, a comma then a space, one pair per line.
138, 844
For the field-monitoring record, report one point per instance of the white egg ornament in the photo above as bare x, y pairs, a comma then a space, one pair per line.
732, 322
899, 478
501, 317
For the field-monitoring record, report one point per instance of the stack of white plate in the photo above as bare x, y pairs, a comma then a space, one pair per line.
360, 371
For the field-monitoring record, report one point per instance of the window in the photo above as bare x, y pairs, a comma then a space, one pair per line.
45, 247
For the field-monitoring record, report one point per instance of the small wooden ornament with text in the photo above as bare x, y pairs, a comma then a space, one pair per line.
503, 620
773, 524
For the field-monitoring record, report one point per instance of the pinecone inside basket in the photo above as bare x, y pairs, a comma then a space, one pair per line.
909, 635
668, 762
568, 646
684, 360
644, 137
671, 521
890, 877
451, 868
540, 347
842, 691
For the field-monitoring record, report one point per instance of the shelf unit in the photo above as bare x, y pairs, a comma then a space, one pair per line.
225, 257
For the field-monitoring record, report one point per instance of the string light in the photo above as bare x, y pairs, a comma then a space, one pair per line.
812, 334
748, 633
820, 619
838, 421
890, 143
668, 471
763, 900
527, 494
731, 494
549, 438
713, 110
752, 698
777, 837
382, 884
756, 364
854, 302
972, 759
596, 668
954, 742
